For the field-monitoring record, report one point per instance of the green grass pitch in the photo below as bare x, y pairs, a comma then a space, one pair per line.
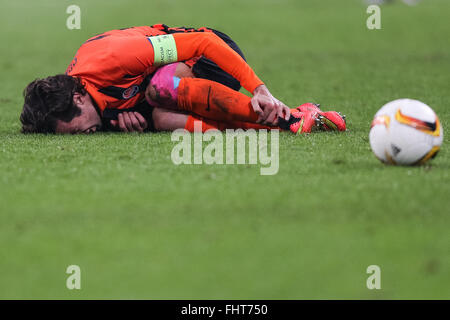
141, 227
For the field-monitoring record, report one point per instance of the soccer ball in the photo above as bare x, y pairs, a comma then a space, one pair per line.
405, 132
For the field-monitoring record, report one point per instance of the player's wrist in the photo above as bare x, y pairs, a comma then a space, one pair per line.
261, 89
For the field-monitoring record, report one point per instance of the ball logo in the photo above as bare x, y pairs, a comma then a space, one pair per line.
432, 128
130, 92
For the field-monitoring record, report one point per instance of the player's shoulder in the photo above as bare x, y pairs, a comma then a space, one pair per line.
116, 35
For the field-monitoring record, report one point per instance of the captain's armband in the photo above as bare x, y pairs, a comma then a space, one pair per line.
165, 49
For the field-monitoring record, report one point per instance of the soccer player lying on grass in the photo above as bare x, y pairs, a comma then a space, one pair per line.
113, 74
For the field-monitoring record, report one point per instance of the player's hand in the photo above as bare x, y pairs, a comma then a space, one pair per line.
130, 122
267, 107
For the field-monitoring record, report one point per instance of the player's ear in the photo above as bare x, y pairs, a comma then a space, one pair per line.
78, 99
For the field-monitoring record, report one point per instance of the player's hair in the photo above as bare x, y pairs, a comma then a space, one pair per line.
48, 100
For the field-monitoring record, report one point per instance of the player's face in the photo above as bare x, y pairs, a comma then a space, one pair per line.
88, 121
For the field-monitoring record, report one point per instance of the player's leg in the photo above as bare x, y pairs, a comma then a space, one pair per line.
162, 89
215, 101
172, 87
170, 120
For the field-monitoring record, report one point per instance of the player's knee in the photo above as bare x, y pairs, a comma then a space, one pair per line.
162, 90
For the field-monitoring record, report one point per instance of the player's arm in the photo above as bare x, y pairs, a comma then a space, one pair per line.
139, 53
209, 45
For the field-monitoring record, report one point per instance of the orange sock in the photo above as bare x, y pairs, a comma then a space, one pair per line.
207, 124
214, 101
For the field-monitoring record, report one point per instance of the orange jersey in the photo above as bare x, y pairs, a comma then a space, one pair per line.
116, 66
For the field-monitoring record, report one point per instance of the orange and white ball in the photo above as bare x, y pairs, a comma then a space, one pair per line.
405, 132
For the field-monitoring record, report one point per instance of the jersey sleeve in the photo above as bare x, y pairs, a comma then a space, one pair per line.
209, 45
134, 54
137, 54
